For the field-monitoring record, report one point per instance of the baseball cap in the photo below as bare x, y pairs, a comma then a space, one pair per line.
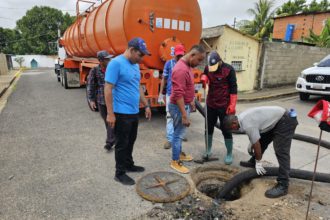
213, 62
140, 45
179, 50
103, 54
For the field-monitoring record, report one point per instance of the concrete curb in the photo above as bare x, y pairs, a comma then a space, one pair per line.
260, 98
11, 81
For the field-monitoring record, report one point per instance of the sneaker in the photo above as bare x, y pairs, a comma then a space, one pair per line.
178, 166
124, 179
135, 169
167, 145
277, 191
185, 157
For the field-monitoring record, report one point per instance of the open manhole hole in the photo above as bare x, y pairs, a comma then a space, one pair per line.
210, 180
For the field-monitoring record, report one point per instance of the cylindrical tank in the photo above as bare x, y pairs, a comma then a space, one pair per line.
162, 24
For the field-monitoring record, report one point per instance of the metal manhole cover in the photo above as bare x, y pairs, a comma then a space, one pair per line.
163, 187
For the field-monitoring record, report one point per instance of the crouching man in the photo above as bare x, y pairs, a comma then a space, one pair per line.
264, 125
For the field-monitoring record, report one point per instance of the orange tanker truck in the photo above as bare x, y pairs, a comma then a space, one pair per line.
111, 24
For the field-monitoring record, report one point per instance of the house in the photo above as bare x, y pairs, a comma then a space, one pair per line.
237, 49
297, 27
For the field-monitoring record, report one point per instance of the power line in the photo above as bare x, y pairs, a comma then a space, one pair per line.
6, 18
29, 9
25, 39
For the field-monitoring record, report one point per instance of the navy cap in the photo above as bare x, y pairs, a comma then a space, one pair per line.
103, 54
214, 60
140, 45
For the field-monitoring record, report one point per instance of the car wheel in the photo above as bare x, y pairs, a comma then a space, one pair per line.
303, 96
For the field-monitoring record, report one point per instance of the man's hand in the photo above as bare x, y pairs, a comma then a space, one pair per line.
111, 120
205, 80
148, 113
92, 104
161, 99
193, 106
185, 121
231, 110
259, 168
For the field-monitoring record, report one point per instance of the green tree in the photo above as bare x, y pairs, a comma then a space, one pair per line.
262, 24
322, 40
291, 7
314, 6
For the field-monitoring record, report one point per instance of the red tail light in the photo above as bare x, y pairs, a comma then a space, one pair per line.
147, 75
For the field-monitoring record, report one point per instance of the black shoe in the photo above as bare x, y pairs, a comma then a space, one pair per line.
135, 169
248, 163
124, 179
108, 147
277, 191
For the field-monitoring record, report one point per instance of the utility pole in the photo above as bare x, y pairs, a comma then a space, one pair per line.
234, 26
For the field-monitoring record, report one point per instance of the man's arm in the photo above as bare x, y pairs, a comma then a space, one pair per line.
231, 110
257, 150
91, 88
144, 101
111, 118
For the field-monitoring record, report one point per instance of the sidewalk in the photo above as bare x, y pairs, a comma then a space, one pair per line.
259, 95
7, 80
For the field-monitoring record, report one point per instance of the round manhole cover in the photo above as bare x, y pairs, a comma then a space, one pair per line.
163, 187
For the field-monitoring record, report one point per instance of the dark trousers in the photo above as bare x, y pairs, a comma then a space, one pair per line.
110, 131
212, 118
281, 136
126, 129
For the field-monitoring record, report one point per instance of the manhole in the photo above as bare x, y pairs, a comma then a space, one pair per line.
209, 180
163, 187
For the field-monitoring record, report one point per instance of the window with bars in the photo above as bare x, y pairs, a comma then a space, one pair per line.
237, 65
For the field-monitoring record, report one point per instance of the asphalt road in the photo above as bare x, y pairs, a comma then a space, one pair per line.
53, 165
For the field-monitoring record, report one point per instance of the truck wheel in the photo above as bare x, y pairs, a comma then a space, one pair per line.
96, 110
65, 80
303, 96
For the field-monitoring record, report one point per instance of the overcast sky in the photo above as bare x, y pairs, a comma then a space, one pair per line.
215, 12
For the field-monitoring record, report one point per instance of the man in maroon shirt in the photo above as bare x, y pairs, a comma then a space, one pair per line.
181, 101
221, 100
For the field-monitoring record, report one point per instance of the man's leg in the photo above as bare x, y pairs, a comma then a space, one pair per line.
110, 141
177, 142
228, 137
283, 134
169, 125
123, 129
211, 121
183, 156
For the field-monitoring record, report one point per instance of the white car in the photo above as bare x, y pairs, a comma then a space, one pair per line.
315, 80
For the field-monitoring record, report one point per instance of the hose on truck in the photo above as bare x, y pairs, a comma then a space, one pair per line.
250, 174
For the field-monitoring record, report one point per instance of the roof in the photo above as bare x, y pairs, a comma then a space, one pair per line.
303, 14
217, 31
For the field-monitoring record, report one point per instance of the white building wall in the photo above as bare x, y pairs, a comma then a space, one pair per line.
43, 61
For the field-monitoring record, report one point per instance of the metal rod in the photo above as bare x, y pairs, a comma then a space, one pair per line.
206, 125
311, 192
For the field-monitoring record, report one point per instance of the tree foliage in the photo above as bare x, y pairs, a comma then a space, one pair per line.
34, 31
322, 40
291, 7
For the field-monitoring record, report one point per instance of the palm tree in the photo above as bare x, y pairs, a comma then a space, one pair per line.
262, 24
322, 40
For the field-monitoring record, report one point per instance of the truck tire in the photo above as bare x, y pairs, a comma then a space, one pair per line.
65, 80
303, 96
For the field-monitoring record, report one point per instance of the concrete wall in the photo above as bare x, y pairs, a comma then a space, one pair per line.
43, 61
3, 64
303, 23
282, 63
234, 46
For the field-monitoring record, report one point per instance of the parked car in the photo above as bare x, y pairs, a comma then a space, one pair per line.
315, 80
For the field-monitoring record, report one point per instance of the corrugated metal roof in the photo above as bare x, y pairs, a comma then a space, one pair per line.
212, 32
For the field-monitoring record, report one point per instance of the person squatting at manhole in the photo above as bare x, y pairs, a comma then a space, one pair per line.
95, 87
179, 52
122, 95
221, 101
264, 125
182, 101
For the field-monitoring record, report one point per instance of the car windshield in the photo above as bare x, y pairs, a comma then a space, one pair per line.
325, 62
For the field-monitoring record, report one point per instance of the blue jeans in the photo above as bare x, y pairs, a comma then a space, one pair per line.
169, 122
178, 128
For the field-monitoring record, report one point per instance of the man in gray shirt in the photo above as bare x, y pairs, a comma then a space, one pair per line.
264, 125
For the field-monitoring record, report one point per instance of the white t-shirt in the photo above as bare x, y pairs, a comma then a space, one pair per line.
258, 120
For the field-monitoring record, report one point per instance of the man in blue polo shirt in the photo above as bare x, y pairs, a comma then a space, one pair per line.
123, 94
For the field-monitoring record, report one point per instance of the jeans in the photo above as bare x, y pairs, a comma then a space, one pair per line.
110, 131
126, 128
169, 123
178, 128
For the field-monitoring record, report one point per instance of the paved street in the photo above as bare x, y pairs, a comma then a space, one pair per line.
53, 165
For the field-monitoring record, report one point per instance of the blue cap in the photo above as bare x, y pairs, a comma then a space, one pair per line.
103, 54
139, 44
213, 62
